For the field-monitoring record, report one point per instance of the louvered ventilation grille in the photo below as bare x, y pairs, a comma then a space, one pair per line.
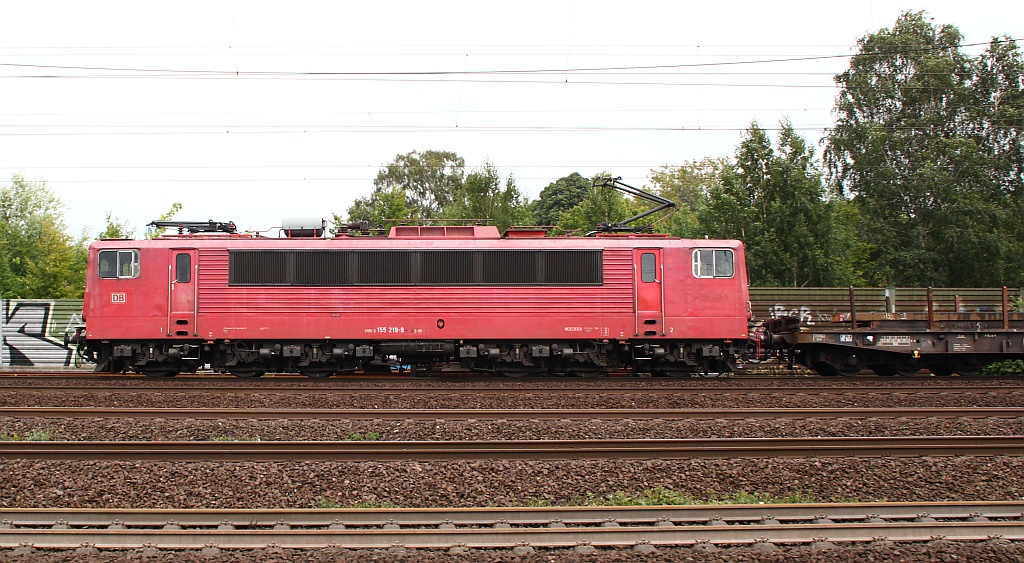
446, 267
415, 267
384, 267
259, 268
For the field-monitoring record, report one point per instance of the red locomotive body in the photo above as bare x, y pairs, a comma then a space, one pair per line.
420, 297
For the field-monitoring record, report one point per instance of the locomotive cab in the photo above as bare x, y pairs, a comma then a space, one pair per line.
140, 299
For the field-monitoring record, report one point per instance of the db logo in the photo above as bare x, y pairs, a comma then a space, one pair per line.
118, 297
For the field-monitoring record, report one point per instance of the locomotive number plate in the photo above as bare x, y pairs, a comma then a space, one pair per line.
386, 330
119, 297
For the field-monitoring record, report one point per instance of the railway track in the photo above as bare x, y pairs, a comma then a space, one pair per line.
360, 451
509, 414
643, 528
332, 388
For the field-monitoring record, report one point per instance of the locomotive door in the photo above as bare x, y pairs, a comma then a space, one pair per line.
649, 291
183, 292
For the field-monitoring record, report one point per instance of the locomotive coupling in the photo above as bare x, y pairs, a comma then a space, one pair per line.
77, 338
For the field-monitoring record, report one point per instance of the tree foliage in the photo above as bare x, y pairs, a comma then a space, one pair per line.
483, 196
600, 205
559, 196
156, 232
116, 229
688, 185
927, 142
429, 180
38, 259
381, 208
774, 200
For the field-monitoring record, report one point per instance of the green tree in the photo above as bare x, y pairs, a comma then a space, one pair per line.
927, 142
737, 207
484, 196
156, 232
382, 208
561, 195
601, 205
688, 185
429, 180
116, 229
775, 201
40, 260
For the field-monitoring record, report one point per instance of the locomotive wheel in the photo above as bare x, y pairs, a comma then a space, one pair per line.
941, 370
674, 373
248, 373
588, 373
317, 373
154, 372
514, 373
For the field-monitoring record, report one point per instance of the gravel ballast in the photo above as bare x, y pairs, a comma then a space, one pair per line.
144, 429
96, 484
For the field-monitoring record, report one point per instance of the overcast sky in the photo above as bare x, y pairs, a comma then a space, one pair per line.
256, 111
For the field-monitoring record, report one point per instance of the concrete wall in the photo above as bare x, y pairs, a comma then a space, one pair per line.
32, 332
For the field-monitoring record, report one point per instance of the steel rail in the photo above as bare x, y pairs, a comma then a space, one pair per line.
332, 388
510, 414
11, 518
508, 527
509, 538
751, 372
744, 448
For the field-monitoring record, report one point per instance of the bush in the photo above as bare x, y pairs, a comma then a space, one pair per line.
1004, 368
35, 435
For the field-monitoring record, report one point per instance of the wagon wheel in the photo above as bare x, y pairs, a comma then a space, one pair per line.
941, 370
824, 369
968, 366
884, 370
847, 366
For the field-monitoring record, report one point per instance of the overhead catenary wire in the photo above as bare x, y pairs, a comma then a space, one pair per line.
464, 72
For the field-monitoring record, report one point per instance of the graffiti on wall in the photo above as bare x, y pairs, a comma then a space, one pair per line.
33, 331
806, 314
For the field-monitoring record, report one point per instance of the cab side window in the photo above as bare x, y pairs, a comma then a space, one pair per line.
713, 263
115, 264
183, 268
648, 267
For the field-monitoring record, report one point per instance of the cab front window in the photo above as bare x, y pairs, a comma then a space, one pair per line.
115, 264
713, 263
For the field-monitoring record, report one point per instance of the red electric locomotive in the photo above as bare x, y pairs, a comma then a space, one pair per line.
421, 297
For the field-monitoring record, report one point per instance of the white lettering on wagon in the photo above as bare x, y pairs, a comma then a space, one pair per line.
894, 341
